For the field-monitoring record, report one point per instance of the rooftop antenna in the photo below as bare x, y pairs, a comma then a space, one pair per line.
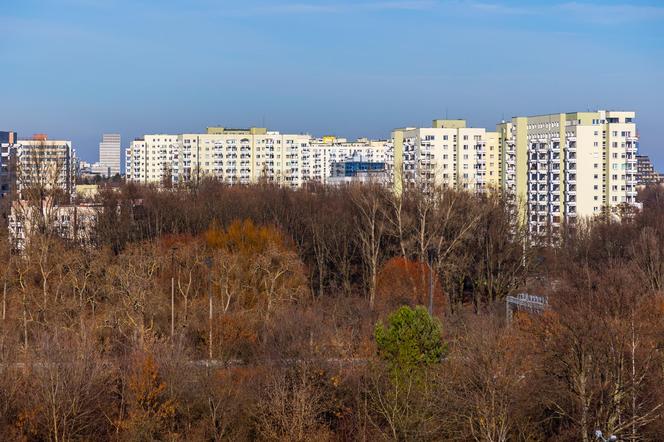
446, 116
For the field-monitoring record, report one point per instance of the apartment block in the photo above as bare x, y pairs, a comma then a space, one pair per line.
329, 152
645, 171
242, 156
44, 163
569, 165
73, 222
8, 144
556, 167
149, 159
8, 137
447, 154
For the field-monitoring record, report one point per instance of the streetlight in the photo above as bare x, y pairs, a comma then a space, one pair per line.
600, 436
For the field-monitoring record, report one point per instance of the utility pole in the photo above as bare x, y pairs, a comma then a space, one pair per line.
431, 254
208, 262
173, 291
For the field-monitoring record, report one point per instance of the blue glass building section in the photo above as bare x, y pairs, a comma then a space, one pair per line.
351, 168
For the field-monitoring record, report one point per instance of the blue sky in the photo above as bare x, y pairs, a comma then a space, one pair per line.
78, 68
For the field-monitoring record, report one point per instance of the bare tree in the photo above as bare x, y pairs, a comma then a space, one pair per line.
371, 227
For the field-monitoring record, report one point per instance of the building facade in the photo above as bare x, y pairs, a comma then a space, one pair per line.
645, 171
242, 156
447, 154
561, 167
109, 156
8, 143
556, 168
73, 222
45, 164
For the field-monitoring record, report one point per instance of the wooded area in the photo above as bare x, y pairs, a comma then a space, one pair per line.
262, 313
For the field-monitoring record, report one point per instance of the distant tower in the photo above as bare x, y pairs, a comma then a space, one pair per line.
109, 154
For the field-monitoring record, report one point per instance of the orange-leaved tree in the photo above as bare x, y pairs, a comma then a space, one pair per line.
402, 281
149, 410
252, 271
253, 267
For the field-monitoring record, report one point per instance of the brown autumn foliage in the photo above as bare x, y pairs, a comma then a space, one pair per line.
406, 282
149, 411
247, 313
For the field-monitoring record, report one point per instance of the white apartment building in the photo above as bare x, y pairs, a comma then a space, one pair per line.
557, 167
565, 166
149, 159
328, 150
242, 156
447, 154
44, 163
74, 222
238, 156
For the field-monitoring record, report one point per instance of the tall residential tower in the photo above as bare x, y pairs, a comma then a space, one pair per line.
557, 168
109, 155
566, 166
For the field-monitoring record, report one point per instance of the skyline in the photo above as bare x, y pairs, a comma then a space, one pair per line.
347, 68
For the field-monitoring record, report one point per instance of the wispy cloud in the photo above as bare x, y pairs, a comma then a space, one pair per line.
338, 7
582, 11
611, 13
577, 10
499, 8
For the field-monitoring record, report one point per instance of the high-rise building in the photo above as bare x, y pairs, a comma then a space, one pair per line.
564, 166
46, 164
556, 168
149, 159
109, 155
242, 156
8, 137
447, 154
646, 173
8, 142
